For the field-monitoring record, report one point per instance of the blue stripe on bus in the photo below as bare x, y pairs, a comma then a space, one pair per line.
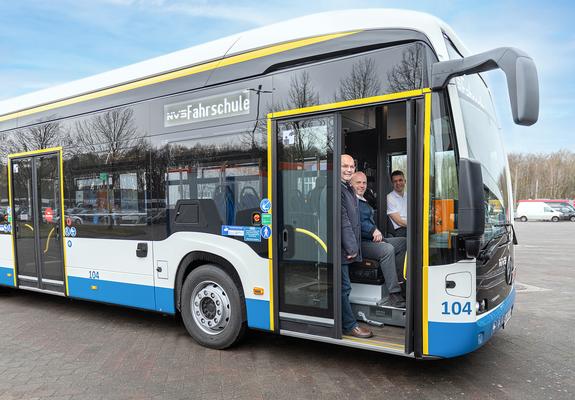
7, 276
126, 294
142, 296
258, 313
454, 339
165, 300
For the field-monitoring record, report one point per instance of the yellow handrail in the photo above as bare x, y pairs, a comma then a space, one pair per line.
314, 237
405, 267
48, 241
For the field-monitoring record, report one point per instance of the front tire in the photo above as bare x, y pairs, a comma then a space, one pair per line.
572, 219
523, 219
213, 307
555, 219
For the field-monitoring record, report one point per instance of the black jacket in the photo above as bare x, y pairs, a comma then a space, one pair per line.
350, 225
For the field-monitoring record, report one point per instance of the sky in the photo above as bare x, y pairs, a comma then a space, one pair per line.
45, 43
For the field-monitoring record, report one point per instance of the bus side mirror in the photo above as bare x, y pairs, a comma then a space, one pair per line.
471, 205
519, 69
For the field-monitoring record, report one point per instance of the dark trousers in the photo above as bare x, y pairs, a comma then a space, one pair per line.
400, 232
390, 254
348, 319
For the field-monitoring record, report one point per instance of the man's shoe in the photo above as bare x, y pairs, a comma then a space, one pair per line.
360, 332
396, 300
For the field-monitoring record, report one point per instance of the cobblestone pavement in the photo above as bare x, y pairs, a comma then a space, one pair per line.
56, 348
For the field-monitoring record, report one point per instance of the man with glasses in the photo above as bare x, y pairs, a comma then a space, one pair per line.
350, 246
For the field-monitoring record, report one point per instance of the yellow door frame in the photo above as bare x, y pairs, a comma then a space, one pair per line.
368, 101
32, 153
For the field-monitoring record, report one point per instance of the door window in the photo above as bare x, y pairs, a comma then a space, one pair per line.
305, 193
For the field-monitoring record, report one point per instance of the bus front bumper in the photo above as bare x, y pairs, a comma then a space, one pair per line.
447, 339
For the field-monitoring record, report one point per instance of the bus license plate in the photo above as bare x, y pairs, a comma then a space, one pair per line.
500, 322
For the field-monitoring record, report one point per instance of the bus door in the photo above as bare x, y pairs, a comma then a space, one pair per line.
306, 261
36, 204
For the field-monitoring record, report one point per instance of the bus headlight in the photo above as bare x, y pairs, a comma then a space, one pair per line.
480, 306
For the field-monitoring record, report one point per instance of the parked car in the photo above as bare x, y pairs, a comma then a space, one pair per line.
565, 208
537, 211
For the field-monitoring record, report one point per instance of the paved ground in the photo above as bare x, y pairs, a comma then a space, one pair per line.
54, 348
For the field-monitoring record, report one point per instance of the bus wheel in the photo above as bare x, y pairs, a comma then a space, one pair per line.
523, 218
555, 219
213, 307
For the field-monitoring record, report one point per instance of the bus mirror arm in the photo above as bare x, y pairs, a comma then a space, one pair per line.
520, 72
471, 206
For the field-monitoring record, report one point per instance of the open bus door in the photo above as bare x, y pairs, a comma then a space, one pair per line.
305, 181
306, 153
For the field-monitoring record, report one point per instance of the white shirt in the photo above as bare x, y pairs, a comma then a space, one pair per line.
397, 203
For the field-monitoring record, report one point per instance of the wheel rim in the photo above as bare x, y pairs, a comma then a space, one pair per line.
210, 307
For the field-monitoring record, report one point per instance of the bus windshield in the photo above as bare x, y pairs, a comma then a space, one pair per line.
484, 144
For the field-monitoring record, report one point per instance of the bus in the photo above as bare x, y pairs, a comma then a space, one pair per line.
205, 183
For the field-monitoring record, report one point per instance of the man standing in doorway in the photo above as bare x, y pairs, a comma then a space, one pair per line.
350, 246
397, 204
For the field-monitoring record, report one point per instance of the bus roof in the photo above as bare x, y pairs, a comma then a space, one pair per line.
295, 29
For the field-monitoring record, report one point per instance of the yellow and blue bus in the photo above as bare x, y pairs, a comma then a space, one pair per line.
205, 183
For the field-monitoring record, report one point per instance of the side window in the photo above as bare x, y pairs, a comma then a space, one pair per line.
209, 179
443, 186
548, 209
105, 190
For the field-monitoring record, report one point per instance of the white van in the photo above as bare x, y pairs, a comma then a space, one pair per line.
537, 210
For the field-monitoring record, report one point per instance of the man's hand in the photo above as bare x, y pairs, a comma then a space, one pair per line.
377, 235
397, 219
351, 257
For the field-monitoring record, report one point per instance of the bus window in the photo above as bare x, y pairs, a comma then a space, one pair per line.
107, 200
223, 173
443, 186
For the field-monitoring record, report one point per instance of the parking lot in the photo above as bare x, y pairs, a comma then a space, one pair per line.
56, 348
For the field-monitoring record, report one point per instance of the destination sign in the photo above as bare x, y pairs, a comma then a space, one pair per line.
207, 108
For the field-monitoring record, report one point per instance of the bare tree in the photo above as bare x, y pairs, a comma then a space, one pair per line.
113, 132
543, 175
408, 74
37, 137
361, 82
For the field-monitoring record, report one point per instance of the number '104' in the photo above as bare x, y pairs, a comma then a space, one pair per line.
456, 308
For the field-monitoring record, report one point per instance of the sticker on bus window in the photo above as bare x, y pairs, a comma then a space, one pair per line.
288, 137
231, 230
265, 205
252, 234
266, 232
266, 219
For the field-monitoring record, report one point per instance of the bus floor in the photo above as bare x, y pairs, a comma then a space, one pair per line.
388, 336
